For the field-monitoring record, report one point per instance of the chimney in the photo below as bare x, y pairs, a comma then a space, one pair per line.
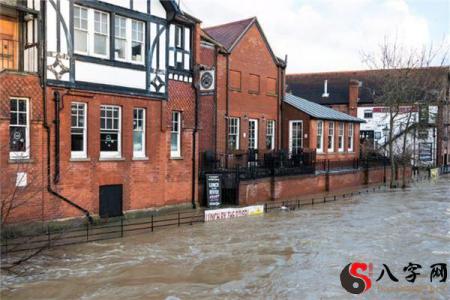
353, 97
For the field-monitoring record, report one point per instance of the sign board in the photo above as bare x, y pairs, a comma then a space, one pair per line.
229, 213
214, 190
425, 152
434, 173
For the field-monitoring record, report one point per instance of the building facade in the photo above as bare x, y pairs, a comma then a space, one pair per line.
98, 107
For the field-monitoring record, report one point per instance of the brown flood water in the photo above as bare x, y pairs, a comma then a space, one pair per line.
283, 255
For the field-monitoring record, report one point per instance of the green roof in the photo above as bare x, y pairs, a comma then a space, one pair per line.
318, 111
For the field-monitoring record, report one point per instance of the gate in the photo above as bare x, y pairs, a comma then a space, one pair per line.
230, 188
110, 201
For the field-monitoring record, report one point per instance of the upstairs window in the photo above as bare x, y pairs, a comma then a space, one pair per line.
270, 135
78, 130
110, 135
19, 129
101, 31
368, 114
175, 135
91, 32
179, 37
120, 42
233, 133
341, 137
80, 23
139, 132
330, 136
319, 145
137, 41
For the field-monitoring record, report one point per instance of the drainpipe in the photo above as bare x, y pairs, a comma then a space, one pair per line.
46, 126
196, 87
227, 110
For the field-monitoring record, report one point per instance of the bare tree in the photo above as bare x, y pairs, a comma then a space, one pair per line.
403, 82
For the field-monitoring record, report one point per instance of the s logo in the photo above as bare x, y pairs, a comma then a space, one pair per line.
354, 282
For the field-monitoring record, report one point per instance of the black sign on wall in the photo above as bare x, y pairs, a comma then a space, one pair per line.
214, 190
425, 152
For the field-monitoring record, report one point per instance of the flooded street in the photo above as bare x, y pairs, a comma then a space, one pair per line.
285, 254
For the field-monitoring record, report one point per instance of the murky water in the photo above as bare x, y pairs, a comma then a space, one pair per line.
284, 255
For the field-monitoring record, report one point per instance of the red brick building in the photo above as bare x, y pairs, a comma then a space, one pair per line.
332, 134
108, 125
244, 111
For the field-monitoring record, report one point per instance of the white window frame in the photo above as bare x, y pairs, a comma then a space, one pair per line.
232, 132
82, 29
83, 153
320, 134
141, 153
330, 134
91, 33
291, 137
176, 153
341, 139
142, 42
118, 153
270, 132
129, 41
123, 38
350, 136
256, 133
21, 154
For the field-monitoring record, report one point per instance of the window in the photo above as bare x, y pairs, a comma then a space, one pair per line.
19, 129
423, 133
110, 126
295, 136
235, 80
424, 114
139, 132
137, 41
319, 136
377, 135
179, 37
80, 20
120, 42
175, 138
368, 114
252, 134
350, 137
254, 84
78, 131
91, 31
330, 136
271, 86
100, 33
341, 137
233, 133
270, 135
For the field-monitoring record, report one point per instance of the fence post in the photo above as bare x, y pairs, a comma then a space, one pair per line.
178, 219
121, 226
152, 223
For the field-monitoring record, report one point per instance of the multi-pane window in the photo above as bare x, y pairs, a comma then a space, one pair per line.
80, 23
330, 136
270, 135
120, 41
350, 137
341, 137
78, 130
139, 132
179, 37
319, 145
368, 114
252, 134
233, 133
295, 136
19, 129
137, 41
110, 126
100, 33
175, 135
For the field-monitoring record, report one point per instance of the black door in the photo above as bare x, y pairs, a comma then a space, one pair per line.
110, 201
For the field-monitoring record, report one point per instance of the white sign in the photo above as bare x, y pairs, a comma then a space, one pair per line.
229, 213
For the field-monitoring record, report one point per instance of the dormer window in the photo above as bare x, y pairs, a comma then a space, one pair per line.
325, 89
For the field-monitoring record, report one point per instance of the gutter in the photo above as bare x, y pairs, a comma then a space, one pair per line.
196, 87
46, 126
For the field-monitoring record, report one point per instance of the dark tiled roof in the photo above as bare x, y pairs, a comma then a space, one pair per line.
318, 111
228, 34
311, 85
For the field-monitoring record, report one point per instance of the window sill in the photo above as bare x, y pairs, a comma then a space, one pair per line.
176, 157
79, 159
140, 158
111, 159
20, 160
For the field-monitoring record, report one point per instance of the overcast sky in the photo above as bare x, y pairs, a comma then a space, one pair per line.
328, 35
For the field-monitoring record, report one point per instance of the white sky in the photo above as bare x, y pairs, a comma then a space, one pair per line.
328, 35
